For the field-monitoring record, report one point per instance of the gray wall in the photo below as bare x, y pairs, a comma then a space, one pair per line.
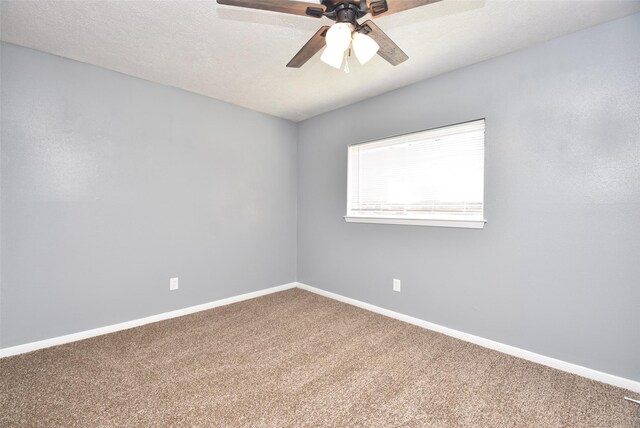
111, 185
557, 268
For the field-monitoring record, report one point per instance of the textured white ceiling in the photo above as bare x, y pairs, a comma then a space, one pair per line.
239, 55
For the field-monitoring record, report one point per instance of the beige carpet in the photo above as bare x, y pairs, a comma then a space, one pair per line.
294, 359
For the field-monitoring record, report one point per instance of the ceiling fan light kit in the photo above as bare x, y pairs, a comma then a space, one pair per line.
365, 39
340, 37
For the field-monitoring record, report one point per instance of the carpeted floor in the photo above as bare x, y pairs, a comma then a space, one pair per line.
294, 359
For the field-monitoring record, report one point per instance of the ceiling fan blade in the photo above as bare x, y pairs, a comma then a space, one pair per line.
315, 43
380, 8
388, 49
314, 10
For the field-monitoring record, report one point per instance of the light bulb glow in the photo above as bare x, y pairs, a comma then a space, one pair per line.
364, 47
339, 36
332, 56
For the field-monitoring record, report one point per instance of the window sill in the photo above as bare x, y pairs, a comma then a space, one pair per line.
469, 224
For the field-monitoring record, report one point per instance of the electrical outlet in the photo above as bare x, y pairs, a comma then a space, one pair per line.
173, 284
396, 285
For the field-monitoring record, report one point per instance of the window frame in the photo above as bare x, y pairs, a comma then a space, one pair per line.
414, 221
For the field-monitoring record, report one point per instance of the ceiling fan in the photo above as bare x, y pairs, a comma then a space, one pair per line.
365, 39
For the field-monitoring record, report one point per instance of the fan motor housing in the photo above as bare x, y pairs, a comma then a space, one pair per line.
345, 10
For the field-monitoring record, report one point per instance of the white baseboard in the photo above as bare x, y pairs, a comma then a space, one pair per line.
507, 349
60, 340
486, 343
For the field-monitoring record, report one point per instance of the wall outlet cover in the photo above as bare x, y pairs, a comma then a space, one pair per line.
173, 284
396, 285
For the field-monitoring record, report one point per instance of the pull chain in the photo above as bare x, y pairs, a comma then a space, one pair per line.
347, 54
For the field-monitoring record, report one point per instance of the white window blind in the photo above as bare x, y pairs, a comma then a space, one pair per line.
434, 176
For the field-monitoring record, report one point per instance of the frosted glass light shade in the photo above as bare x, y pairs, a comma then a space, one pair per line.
364, 47
339, 36
332, 56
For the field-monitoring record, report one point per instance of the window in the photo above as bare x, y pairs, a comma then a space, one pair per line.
433, 178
